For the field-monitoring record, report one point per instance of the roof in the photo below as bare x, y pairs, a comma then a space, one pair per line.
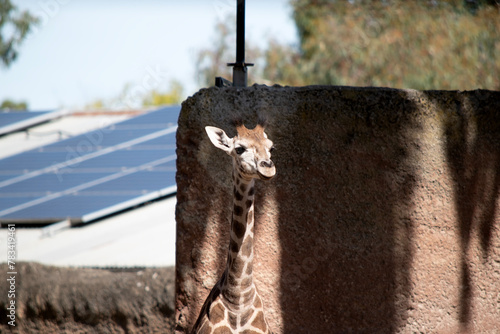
19, 120
69, 125
89, 176
141, 236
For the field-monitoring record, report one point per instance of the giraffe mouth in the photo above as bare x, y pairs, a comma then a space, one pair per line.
265, 177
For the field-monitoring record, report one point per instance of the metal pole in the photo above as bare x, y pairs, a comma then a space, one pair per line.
240, 32
240, 67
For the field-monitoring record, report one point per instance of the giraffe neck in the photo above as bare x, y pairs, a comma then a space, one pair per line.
238, 288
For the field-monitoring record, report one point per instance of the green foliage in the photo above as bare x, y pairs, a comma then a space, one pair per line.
12, 105
407, 44
174, 95
282, 65
212, 61
439, 44
138, 96
96, 105
14, 27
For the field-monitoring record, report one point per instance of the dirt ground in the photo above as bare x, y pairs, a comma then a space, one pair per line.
83, 300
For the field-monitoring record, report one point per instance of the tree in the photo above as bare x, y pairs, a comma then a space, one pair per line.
282, 65
212, 61
439, 44
12, 105
14, 27
139, 96
173, 95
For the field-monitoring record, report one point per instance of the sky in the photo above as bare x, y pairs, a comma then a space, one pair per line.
85, 50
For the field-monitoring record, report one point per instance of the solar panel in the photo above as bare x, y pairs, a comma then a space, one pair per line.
19, 120
93, 174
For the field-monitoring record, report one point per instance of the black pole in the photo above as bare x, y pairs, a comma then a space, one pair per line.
240, 67
240, 32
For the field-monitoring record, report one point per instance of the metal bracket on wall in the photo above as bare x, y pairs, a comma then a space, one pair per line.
222, 82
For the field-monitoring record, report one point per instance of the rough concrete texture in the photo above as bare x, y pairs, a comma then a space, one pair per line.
384, 216
68, 300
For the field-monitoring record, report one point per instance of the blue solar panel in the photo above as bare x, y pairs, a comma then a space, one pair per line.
98, 139
48, 183
18, 120
11, 117
90, 175
168, 117
65, 207
31, 161
141, 182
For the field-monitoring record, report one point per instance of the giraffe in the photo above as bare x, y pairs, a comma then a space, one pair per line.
234, 305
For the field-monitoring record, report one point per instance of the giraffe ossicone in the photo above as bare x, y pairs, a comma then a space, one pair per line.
234, 305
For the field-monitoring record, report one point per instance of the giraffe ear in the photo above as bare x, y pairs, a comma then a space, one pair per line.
219, 138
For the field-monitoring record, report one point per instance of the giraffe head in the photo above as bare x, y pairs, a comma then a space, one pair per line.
250, 149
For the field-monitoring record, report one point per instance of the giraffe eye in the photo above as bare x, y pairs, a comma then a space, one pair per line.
271, 150
239, 150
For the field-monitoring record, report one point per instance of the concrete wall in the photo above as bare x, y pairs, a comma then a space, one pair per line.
384, 216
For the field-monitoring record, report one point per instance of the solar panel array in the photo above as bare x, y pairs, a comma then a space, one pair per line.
94, 174
15, 121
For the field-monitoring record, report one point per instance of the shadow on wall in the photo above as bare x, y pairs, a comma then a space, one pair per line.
345, 195
348, 199
377, 191
473, 156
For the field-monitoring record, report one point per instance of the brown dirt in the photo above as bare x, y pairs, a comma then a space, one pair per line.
81, 300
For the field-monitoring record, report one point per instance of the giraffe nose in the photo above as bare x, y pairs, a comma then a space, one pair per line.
266, 164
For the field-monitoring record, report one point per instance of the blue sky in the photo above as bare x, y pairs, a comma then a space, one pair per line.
85, 50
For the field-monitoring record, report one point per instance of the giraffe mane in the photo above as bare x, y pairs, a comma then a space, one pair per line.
237, 121
262, 121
